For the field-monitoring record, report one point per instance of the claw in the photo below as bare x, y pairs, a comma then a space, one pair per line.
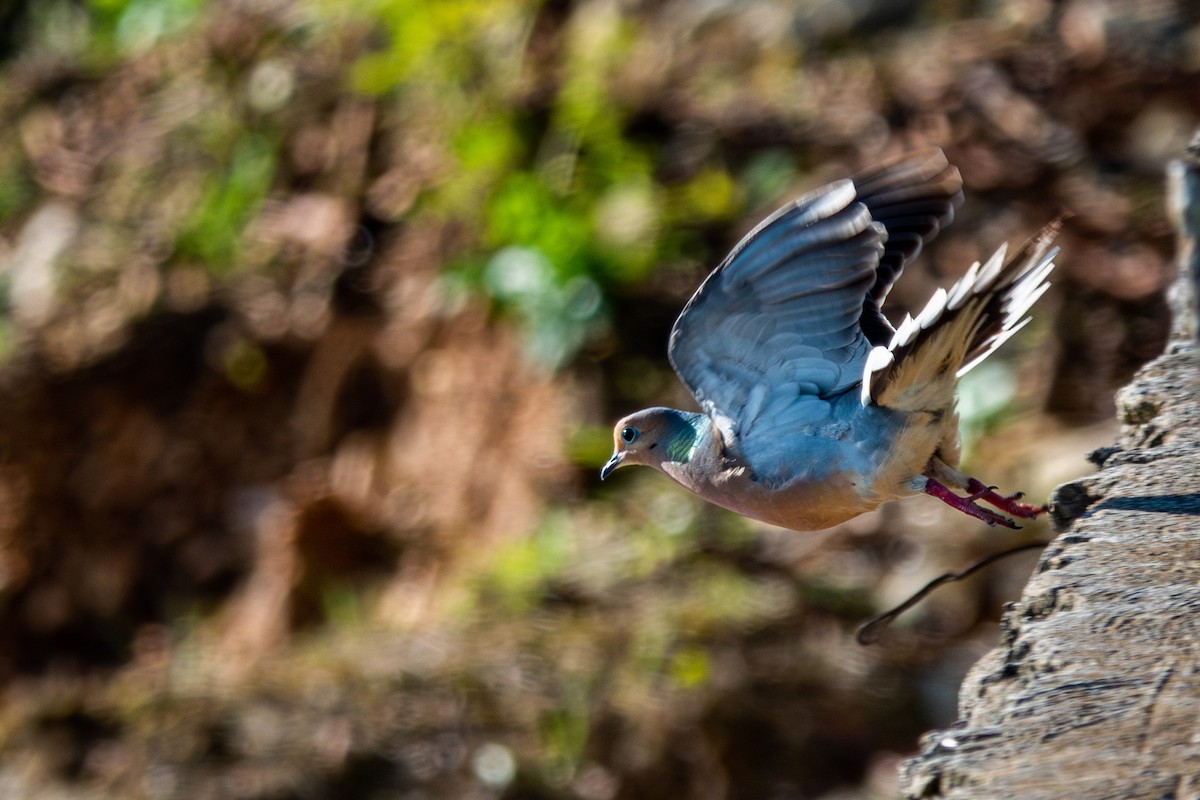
967, 505
979, 494
1010, 504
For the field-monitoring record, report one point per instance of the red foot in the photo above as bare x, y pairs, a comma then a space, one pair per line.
1009, 505
967, 505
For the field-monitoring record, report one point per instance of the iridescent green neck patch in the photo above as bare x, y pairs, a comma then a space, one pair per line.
684, 436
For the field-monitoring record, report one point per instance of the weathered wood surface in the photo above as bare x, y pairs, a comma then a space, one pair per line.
1095, 689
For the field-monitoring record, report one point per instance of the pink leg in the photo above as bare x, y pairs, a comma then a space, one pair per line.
967, 505
1009, 505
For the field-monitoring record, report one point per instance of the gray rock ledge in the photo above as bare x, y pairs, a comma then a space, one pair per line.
1094, 691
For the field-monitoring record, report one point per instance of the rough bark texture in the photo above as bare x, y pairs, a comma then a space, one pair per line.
1095, 690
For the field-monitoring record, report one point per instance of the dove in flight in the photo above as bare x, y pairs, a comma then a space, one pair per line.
814, 409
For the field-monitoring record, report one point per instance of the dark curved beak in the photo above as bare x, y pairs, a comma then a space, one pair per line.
612, 464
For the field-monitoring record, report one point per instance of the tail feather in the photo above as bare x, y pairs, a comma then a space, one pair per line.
956, 330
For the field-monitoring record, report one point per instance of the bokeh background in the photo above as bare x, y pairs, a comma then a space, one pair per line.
316, 316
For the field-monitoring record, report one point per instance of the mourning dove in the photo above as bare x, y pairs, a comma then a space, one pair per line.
814, 409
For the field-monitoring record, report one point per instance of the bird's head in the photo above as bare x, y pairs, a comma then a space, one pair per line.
650, 437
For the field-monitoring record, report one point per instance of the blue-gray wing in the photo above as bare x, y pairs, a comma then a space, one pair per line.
773, 333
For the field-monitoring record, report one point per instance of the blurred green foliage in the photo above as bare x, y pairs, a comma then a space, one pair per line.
559, 199
228, 201
562, 200
245, 365
101, 32
16, 188
437, 42
519, 572
132, 26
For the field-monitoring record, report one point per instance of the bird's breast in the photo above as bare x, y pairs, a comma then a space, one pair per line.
804, 504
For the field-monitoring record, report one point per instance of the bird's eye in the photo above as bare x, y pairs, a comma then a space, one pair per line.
629, 434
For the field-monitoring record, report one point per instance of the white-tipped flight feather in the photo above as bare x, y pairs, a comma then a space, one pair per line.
983, 309
878, 359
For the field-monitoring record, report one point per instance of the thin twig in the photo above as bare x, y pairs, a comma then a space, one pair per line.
870, 631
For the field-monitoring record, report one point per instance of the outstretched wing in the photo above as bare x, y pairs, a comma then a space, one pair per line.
773, 332
786, 321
